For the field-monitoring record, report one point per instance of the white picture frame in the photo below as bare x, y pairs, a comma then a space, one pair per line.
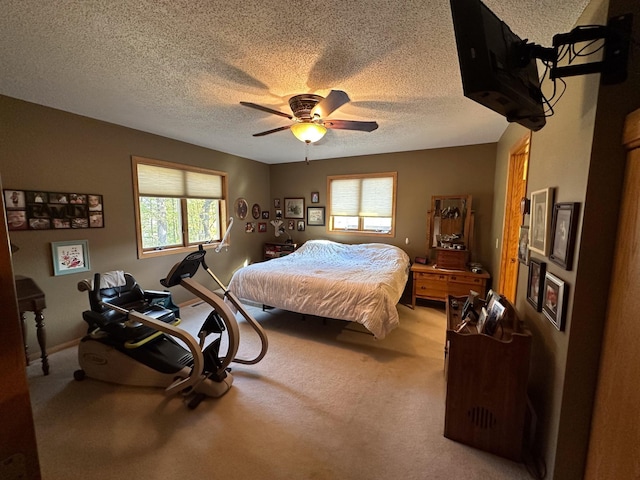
540, 220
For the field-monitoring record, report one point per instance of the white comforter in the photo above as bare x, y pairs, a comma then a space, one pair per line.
360, 283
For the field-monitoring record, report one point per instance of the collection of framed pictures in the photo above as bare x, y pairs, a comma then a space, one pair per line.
551, 233
38, 210
291, 209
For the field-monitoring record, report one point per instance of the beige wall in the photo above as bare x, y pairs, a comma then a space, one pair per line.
51, 150
421, 174
579, 154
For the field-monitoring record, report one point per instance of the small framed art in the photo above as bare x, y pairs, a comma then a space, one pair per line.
315, 197
537, 270
540, 220
255, 211
70, 257
523, 245
553, 300
564, 227
242, 208
315, 216
294, 208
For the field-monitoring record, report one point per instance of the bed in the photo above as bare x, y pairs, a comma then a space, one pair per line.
358, 283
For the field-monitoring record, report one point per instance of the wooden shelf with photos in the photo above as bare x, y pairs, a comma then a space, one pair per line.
487, 355
277, 250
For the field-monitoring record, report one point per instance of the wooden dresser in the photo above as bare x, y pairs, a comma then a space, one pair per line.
433, 283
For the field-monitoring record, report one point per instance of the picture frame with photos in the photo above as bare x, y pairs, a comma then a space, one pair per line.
540, 220
523, 245
564, 226
294, 208
537, 271
495, 313
45, 210
553, 300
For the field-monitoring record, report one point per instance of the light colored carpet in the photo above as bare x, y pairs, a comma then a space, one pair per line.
326, 402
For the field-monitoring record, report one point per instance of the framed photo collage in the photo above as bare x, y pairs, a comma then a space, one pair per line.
38, 210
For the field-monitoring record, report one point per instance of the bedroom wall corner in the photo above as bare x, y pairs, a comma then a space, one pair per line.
51, 150
421, 174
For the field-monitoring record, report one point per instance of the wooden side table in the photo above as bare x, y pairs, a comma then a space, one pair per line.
31, 299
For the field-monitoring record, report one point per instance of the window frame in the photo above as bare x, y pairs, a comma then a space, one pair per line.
185, 247
360, 231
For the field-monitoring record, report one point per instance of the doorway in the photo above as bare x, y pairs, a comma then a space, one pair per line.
516, 191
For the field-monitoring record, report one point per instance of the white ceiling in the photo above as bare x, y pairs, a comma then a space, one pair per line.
179, 68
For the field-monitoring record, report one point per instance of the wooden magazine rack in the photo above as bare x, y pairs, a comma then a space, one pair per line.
487, 378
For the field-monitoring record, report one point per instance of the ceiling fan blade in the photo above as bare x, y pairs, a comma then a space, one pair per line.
351, 125
279, 129
266, 109
330, 103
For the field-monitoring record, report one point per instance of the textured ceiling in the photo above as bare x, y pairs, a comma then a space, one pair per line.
179, 68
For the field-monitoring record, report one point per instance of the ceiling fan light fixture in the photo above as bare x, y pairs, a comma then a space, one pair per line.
308, 132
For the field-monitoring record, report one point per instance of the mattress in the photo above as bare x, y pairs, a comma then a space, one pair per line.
359, 283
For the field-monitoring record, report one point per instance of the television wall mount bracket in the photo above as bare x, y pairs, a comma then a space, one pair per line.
613, 67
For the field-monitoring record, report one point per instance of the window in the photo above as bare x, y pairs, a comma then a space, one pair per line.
363, 204
177, 206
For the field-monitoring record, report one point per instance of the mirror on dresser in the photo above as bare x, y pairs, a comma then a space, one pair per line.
450, 231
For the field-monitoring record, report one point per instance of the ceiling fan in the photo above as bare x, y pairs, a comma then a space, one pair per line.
309, 115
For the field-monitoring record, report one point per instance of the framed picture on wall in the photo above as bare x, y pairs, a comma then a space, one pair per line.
523, 245
294, 208
564, 227
70, 257
315, 216
553, 303
540, 220
41, 210
537, 270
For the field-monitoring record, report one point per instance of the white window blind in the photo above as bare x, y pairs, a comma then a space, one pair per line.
377, 197
345, 197
365, 197
168, 182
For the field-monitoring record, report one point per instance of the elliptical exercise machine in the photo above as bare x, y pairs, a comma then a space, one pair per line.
137, 346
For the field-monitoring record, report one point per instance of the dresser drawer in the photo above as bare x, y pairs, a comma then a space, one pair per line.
460, 285
462, 278
430, 285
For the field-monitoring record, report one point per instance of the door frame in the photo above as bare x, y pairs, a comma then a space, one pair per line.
517, 174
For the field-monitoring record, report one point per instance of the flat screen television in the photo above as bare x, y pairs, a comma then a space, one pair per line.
494, 71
